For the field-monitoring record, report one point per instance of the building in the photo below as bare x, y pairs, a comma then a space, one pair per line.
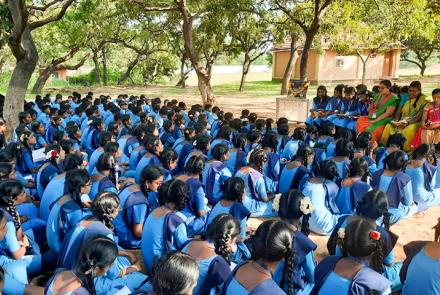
327, 66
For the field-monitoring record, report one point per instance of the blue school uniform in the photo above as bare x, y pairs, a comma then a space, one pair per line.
214, 175
147, 159
135, 209
92, 142
366, 279
362, 110
70, 251
399, 191
41, 141
349, 196
282, 142
130, 145
304, 265
162, 234
423, 183
64, 215
48, 290
238, 210
50, 134
388, 239
135, 156
44, 175
291, 148
233, 287
272, 171
213, 272
27, 163
293, 177
53, 191
318, 104
101, 183
422, 275
342, 167
167, 139
255, 192
349, 107
236, 159
186, 149
197, 202
322, 195
94, 157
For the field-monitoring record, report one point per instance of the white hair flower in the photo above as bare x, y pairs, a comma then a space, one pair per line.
305, 206
341, 233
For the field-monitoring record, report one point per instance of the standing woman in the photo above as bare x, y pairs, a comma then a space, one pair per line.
196, 209
258, 201
165, 229
358, 270
96, 257
393, 181
407, 118
272, 244
322, 190
213, 253
380, 112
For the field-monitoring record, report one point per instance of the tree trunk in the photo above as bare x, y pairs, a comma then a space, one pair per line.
2, 62
289, 68
183, 73
96, 69
204, 85
16, 94
104, 66
246, 67
130, 68
42, 79
310, 35
422, 68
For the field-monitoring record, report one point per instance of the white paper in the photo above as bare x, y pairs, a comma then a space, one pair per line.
123, 291
38, 155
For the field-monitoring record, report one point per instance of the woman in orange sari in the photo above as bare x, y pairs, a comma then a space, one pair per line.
380, 112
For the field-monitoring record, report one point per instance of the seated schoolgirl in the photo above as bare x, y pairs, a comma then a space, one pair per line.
125, 125
326, 132
130, 220
92, 141
150, 182
283, 135
105, 179
104, 138
213, 253
319, 106
124, 271
358, 270
257, 200
165, 229
201, 147
423, 177
363, 149
216, 173
295, 210
373, 207
420, 269
167, 136
343, 155
353, 187
349, 107
272, 244
395, 143
134, 141
94, 260
25, 163
322, 190
361, 109
70, 209
341, 133
39, 132
50, 168
236, 155
196, 210
292, 146
397, 185
175, 273
25, 243
56, 187
223, 137
254, 138
272, 169
296, 171
74, 133
154, 148
184, 144
55, 125
168, 159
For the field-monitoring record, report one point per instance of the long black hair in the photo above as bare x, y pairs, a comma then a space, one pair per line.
103, 206
257, 159
149, 173
9, 191
5, 170
167, 157
195, 165
359, 168
177, 194
220, 232
293, 206
326, 169
219, 152
395, 161
233, 189
303, 153
374, 205
97, 253
75, 180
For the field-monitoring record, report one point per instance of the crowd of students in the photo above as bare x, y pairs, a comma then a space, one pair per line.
148, 197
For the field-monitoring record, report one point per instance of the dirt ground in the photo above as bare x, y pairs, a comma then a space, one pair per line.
415, 228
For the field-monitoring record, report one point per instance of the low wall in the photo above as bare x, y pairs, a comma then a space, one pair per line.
294, 109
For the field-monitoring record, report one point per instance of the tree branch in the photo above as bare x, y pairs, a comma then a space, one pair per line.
45, 7
76, 66
154, 9
411, 61
53, 18
19, 19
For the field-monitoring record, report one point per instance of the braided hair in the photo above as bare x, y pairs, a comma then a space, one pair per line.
358, 242
76, 179
257, 159
107, 162
104, 205
437, 231
97, 252
219, 152
54, 156
273, 242
240, 141
221, 231
9, 191
195, 165
303, 153
177, 194
291, 210
359, 168
168, 157
374, 205
5, 170
233, 189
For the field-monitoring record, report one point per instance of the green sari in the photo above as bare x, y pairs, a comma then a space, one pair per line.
392, 102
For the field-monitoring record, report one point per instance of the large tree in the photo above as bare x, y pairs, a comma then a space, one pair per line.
23, 20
